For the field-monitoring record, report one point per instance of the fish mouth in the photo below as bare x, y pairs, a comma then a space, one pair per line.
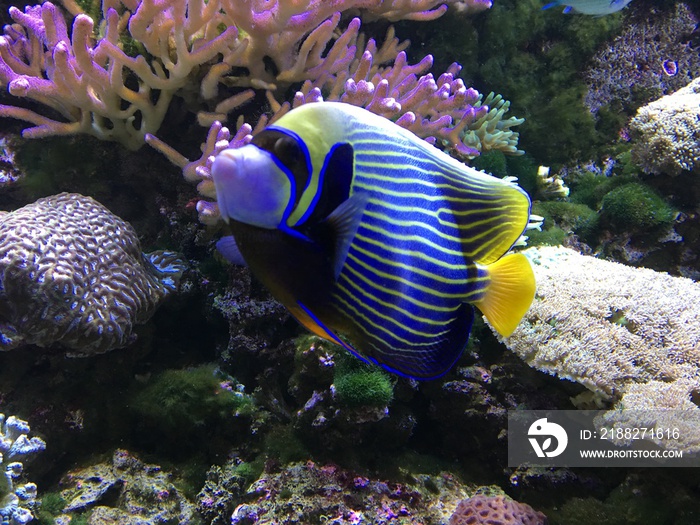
223, 172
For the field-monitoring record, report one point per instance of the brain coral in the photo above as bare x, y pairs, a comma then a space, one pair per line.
73, 273
666, 133
495, 510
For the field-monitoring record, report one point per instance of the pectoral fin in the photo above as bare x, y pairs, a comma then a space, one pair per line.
344, 221
229, 249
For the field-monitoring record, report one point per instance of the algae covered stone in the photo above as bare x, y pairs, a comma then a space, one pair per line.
73, 273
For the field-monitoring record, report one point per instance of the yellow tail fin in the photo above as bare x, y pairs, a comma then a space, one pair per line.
509, 294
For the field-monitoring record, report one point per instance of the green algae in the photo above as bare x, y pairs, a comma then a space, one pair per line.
636, 207
182, 399
360, 384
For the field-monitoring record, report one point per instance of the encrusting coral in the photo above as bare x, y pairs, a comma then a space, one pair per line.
309, 492
146, 492
665, 133
630, 335
73, 273
650, 58
16, 501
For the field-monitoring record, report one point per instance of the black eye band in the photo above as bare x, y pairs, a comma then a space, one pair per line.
290, 153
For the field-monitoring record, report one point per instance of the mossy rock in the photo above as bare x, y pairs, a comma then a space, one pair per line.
636, 207
553, 236
51, 506
566, 215
282, 443
178, 400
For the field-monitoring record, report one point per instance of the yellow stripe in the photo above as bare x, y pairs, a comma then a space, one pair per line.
407, 210
425, 154
460, 180
459, 228
417, 238
413, 254
365, 293
433, 198
452, 282
389, 291
414, 224
388, 318
451, 238
380, 328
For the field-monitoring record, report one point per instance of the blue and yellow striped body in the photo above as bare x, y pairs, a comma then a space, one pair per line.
409, 245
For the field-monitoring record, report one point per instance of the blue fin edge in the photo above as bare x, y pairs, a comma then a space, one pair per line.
359, 356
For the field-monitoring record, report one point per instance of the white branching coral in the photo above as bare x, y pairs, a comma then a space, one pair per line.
666, 133
16, 500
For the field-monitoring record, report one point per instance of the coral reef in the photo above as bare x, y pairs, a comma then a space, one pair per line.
310, 492
665, 133
73, 273
340, 401
607, 325
652, 56
16, 501
146, 494
255, 319
534, 59
495, 510
315, 436
98, 87
9, 173
630, 335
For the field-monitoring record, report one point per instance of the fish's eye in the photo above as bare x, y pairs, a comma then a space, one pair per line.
287, 150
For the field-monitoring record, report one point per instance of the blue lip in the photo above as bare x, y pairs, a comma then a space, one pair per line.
220, 169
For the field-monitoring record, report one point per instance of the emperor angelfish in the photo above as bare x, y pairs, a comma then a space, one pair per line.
374, 239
